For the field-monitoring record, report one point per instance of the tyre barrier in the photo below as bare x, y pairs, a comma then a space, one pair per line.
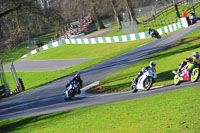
19, 88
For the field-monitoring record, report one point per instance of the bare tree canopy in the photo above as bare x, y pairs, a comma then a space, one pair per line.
22, 19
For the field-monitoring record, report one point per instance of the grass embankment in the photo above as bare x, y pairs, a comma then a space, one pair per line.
21, 49
166, 61
177, 111
106, 51
74, 51
170, 13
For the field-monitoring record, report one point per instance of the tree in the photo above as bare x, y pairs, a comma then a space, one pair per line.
25, 18
130, 10
117, 14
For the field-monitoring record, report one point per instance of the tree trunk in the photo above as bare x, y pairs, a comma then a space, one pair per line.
100, 22
29, 36
130, 10
1, 31
115, 12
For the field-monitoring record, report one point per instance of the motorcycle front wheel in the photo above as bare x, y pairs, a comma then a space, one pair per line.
133, 88
195, 75
176, 80
70, 95
148, 83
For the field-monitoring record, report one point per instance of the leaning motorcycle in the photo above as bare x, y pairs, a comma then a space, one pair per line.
193, 18
155, 34
71, 90
180, 74
145, 81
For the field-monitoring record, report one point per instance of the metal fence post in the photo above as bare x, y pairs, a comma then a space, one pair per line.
17, 82
4, 84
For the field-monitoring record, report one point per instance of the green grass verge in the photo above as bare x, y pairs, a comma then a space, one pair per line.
8, 54
21, 49
176, 111
166, 61
34, 79
73, 51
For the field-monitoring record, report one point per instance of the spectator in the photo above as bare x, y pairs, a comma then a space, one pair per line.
57, 35
184, 13
71, 32
85, 28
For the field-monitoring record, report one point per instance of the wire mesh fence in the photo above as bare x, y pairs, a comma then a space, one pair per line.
128, 26
159, 7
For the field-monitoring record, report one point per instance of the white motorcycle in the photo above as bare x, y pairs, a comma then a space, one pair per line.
145, 81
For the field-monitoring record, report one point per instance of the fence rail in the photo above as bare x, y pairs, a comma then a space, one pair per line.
163, 22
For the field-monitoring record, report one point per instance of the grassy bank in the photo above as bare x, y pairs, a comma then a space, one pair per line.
33, 79
177, 111
171, 13
21, 49
166, 61
74, 51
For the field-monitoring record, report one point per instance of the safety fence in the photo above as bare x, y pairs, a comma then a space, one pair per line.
162, 22
142, 35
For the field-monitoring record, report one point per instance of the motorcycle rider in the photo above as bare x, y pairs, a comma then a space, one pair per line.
77, 78
151, 66
193, 17
151, 31
192, 60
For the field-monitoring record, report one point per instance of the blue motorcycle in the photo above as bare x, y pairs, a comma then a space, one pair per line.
72, 90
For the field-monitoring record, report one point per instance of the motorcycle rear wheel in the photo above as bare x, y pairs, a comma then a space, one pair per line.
176, 80
148, 83
158, 36
195, 75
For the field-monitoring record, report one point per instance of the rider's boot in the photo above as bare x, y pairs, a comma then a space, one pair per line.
135, 82
79, 91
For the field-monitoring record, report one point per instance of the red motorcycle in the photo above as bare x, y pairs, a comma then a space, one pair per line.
182, 74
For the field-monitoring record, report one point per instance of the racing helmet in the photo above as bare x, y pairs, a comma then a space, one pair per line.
149, 28
77, 75
152, 64
196, 54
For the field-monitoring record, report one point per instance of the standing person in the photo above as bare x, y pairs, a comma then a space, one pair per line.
184, 13
85, 28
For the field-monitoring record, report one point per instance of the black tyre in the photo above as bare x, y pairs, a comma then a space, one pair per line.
133, 88
158, 36
70, 94
176, 80
148, 83
66, 99
195, 75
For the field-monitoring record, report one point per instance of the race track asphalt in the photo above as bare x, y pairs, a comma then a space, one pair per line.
49, 98
44, 65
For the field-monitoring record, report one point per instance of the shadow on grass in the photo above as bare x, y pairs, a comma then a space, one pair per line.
165, 76
129, 75
18, 124
118, 87
175, 52
23, 122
